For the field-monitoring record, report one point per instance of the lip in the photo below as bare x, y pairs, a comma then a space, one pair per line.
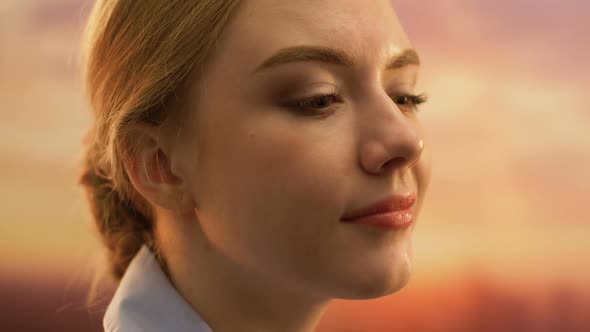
393, 203
396, 220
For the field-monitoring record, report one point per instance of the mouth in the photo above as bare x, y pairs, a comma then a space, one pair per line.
394, 209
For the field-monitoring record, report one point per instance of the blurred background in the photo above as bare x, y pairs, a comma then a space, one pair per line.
503, 242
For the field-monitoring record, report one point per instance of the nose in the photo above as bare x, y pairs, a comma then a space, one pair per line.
391, 141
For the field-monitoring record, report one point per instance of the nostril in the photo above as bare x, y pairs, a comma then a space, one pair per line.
395, 162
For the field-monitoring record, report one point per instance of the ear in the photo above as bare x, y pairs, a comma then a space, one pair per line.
148, 165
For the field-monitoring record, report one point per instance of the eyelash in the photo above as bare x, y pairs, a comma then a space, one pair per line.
304, 104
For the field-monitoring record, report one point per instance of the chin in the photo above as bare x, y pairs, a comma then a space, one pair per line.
392, 285
376, 285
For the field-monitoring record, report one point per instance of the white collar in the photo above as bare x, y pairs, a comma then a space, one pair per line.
145, 300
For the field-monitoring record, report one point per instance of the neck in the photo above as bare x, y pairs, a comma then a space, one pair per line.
229, 296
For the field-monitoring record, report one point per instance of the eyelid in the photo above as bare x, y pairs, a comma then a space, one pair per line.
337, 98
331, 89
414, 99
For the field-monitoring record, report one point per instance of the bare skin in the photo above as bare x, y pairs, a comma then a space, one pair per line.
250, 194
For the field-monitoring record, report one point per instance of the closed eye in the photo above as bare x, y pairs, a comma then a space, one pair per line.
411, 101
320, 104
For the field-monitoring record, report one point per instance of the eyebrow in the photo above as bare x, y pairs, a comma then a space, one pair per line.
329, 55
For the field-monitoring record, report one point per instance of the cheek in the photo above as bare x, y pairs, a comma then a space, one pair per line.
278, 189
295, 169
288, 177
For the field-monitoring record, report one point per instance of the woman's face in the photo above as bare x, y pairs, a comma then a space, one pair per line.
272, 181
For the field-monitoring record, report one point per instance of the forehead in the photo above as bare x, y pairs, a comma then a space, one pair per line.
367, 30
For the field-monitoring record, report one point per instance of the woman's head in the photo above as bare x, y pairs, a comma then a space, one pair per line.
237, 167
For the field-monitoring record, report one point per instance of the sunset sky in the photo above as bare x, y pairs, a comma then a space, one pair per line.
508, 121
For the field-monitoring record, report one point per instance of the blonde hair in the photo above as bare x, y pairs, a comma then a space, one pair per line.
137, 54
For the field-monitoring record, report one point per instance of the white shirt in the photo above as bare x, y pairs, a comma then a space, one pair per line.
146, 301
